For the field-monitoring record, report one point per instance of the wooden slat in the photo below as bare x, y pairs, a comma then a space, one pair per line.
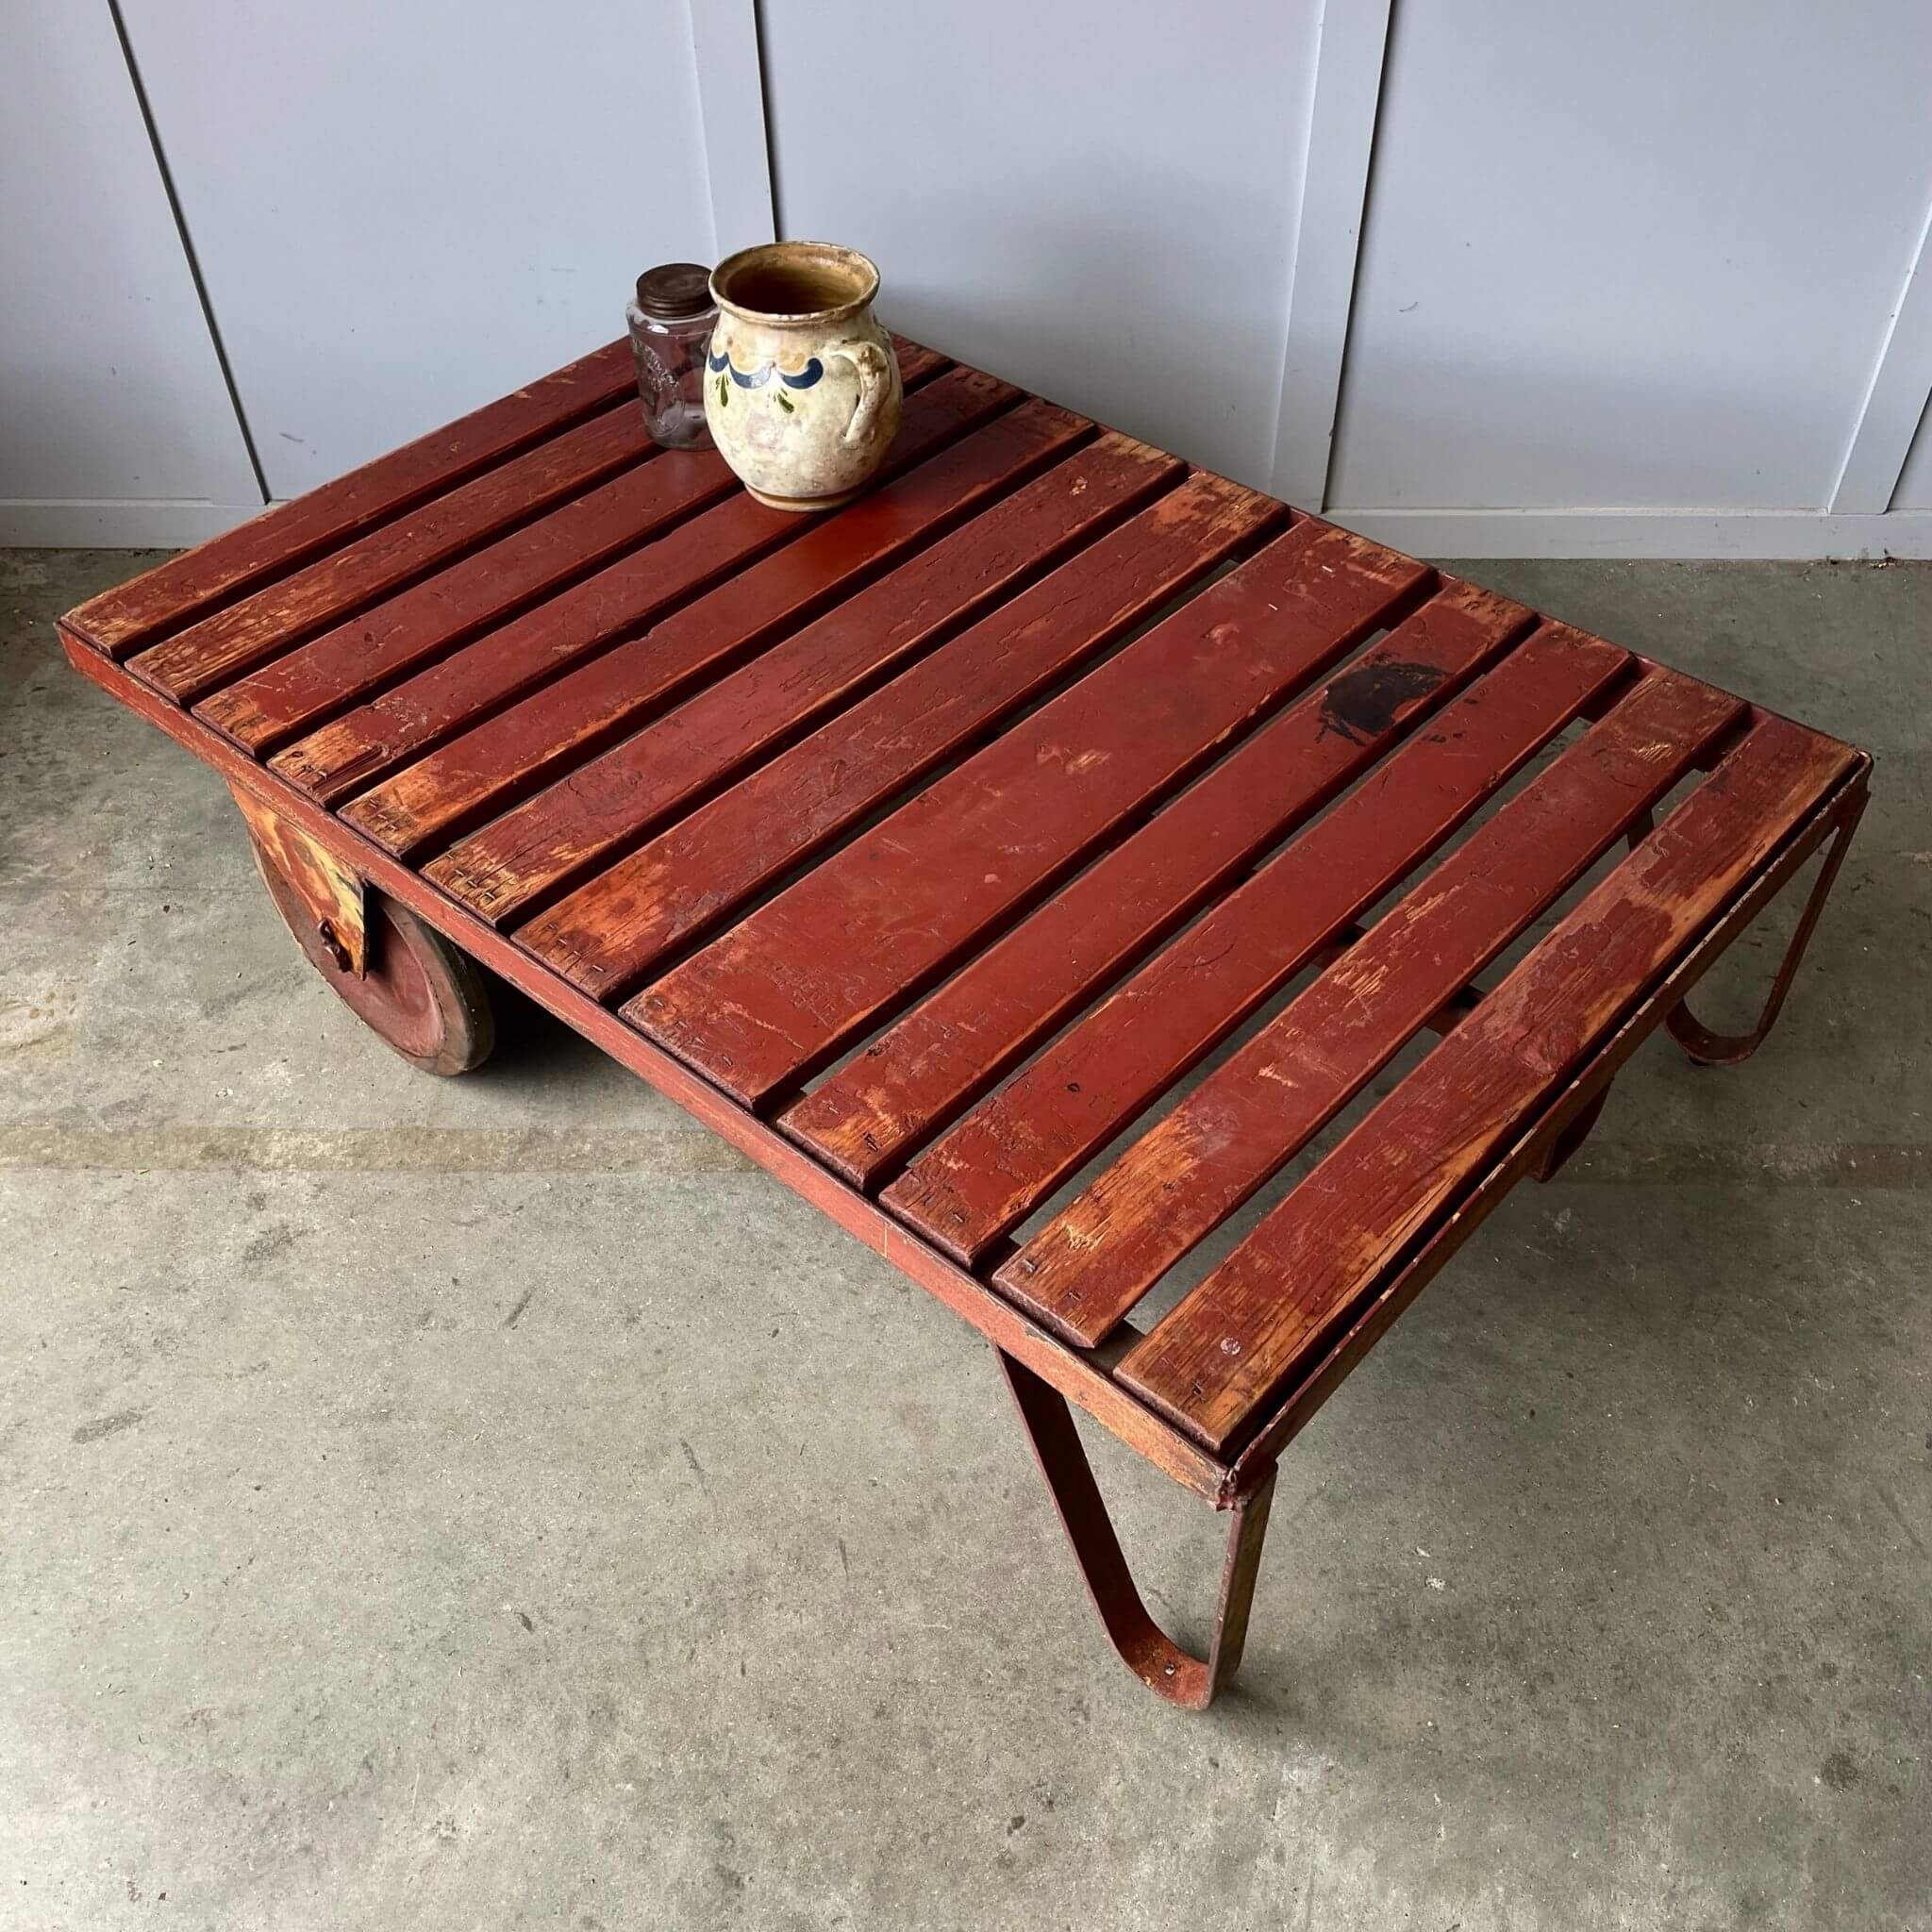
779, 993
1075, 1374
615, 927
1084, 1272
613, 801
353, 752
291, 534
917, 365
565, 727
348, 663
977, 1026
270, 706
1226, 1351
990, 1171
237, 638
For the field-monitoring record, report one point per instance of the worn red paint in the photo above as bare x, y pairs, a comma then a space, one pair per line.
680, 706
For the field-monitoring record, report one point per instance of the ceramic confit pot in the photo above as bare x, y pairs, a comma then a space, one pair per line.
801, 384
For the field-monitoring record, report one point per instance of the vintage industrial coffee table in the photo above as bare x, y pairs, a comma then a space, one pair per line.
929, 850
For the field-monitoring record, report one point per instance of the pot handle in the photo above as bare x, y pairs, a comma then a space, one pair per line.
874, 382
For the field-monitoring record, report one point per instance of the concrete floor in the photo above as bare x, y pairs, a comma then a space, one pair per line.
490, 1503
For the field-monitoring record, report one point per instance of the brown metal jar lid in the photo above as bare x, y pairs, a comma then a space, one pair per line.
676, 291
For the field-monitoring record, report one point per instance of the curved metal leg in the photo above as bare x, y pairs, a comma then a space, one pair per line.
1709, 1049
1146, 1649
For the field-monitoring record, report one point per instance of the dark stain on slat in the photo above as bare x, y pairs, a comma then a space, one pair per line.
1361, 705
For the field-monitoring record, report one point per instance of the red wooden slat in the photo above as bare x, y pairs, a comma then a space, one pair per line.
353, 752
347, 663
1075, 1374
979, 1024
291, 534
991, 1169
235, 638
269, 705
610, 802
771, 999
1084, 1272
1245, 1333
563, 727
612, 929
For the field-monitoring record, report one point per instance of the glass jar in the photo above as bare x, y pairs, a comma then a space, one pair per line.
671, 323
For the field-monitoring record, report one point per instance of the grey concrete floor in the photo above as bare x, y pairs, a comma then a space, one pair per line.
490, 1503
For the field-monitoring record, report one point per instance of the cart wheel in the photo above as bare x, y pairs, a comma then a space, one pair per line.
419, 994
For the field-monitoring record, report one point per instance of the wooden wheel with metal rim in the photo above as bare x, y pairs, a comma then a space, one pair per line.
419, 994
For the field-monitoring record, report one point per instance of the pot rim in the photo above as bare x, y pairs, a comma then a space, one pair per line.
777, 253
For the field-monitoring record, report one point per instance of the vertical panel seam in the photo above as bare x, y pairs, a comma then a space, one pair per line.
734, 108
1316, 350
1894, 399
174, 207
758, 26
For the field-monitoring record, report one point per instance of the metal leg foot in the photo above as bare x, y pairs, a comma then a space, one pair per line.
1153, 1656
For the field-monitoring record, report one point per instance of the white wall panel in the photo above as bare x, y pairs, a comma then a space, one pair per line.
1642, 255
1635, 282
112, 397
1097, 201
403, 210
1915, 486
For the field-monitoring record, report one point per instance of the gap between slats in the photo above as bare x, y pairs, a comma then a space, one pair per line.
590, 733
170, 666
1327, 803
1226, 524
401, 728
178, 673
1216, 1361
775, 997
212, 576
1096, 1260
997, 1162
332, 658
1036, 973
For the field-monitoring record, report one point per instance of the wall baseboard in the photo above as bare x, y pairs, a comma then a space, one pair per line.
132, 524
1787, 535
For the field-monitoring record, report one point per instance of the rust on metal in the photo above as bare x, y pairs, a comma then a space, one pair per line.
1143, 1646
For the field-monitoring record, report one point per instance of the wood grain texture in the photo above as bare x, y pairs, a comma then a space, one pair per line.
331, 893
243, 634
837, 703
1075, 1374
977, 1027
1832, 821
1006, 1157
1087, 1268
291, 534
267, 707
613, 801
607, 798
479, 591
260, 625
514, 658
612, 929
774, 997
1229, 1348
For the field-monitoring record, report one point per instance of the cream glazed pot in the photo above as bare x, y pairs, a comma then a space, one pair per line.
801, 386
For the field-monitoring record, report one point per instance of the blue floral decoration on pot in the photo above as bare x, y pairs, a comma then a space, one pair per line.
760, 376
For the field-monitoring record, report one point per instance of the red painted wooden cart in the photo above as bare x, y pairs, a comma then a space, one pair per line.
931, 850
